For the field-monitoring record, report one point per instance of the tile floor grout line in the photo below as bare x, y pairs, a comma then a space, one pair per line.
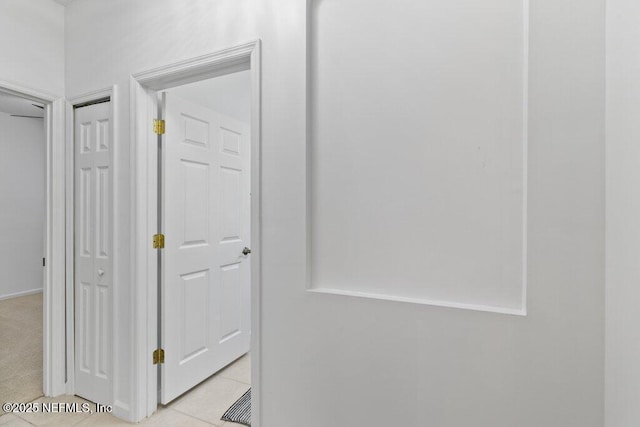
17, 414
236, 380
193, 416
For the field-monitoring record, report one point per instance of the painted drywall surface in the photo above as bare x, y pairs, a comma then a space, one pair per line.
623, 210
229, 95
331, 360
22, 154
32, 44
447, 206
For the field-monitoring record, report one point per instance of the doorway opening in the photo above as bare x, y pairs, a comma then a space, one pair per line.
204, 214
23, 151
198, 197
52, 224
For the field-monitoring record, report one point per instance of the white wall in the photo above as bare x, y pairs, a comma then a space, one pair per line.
447, 113
623, 211
32, 44
333, 360
22, 168
229, 95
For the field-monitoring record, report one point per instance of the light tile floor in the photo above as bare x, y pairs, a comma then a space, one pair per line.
201, 406
21, 348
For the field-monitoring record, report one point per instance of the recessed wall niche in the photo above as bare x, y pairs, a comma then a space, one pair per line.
417, 151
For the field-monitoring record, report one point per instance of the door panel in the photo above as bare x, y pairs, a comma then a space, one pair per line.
205, 280
93, 242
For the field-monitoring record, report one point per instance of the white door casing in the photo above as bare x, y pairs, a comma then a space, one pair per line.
93, 253
205, 280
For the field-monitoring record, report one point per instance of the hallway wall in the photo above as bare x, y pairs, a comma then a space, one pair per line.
32, 44
22, 195
623, 210
335, 360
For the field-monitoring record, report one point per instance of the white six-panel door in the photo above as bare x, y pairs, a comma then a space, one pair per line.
205, 292
93, 253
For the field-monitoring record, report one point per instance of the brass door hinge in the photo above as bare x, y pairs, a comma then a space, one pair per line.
158, 241
158, 356
158, 126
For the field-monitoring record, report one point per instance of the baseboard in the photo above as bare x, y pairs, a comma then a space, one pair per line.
21, 294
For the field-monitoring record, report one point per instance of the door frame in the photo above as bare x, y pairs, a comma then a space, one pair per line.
144, 189
54, 346
71, 103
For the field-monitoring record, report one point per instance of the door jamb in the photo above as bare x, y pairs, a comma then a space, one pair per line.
109, 92
144, 152
53, 373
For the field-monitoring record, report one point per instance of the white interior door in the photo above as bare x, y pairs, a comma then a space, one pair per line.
93, 253
205, 291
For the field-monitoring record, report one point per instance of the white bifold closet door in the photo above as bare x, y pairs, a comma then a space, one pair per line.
205, 280
93, 253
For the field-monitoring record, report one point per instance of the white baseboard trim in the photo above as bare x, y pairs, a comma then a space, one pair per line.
21, 294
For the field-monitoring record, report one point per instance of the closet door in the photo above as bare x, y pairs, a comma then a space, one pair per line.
93, 253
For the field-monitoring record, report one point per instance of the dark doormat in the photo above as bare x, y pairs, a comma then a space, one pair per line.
240, 412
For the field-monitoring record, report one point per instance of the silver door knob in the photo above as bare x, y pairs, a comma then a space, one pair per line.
246, 251
100, 272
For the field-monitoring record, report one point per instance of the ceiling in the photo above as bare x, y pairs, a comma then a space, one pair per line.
63, 2
11, 104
